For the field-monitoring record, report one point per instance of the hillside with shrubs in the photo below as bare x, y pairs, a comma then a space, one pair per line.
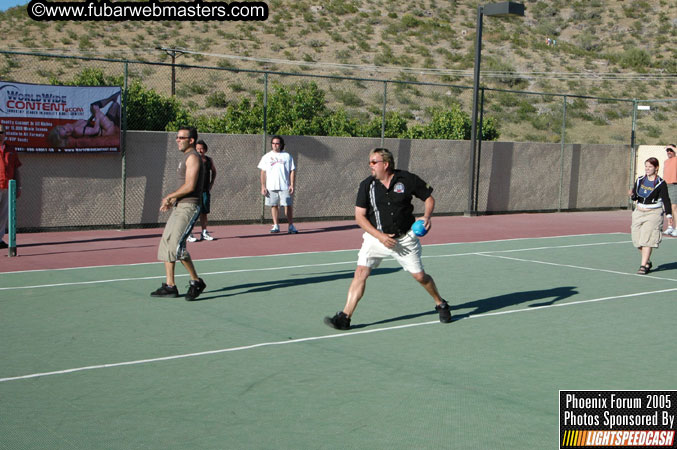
329, 67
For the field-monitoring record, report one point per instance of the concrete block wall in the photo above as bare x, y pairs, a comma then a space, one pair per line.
70, 190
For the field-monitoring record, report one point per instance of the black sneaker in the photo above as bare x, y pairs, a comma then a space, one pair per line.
195, 289
165, 291
444, 311
340, 321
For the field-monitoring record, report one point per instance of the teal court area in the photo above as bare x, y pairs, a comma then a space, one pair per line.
90, 361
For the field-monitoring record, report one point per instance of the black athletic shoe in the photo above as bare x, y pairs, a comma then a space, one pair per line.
340, 321
3, 244
444, 311
195, 289
165, 291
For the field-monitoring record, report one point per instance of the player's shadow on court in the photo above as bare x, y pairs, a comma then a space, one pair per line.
662, 267
490, 304
393, 319
265, 286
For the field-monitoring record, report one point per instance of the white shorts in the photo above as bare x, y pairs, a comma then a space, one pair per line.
407, 252
277, 198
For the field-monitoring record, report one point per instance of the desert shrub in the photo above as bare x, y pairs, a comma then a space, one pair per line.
217, 100
348, 98
635, 58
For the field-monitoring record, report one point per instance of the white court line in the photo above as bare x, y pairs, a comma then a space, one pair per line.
527, 249
318, 338
301, 266
305, 253
77, 283
574, 267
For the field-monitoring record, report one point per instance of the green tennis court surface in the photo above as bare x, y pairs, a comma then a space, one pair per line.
90, 361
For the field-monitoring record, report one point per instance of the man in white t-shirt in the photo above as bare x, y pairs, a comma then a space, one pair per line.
277, 182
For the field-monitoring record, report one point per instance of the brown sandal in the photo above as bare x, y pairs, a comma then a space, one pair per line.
643, 270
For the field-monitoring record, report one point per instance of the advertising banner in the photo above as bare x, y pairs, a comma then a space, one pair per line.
60, 119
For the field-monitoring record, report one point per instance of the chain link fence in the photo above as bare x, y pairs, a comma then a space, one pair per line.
388, 112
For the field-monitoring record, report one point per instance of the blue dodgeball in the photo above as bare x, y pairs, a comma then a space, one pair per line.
418, 228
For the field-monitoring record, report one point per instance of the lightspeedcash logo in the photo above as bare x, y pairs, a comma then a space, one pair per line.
93, 10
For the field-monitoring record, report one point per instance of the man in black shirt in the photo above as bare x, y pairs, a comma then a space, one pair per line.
384, 211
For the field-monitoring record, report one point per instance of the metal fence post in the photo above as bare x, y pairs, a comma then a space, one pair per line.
265, 134
475, 95
561, 151
383, 116
478, 163
633, 150
11, 213
123, 148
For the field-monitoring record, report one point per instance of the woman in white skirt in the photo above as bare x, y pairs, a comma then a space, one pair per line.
651, 194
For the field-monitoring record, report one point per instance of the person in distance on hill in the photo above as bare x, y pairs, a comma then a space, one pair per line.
383, 209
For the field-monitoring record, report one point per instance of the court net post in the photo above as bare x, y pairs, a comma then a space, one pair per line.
12, 218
